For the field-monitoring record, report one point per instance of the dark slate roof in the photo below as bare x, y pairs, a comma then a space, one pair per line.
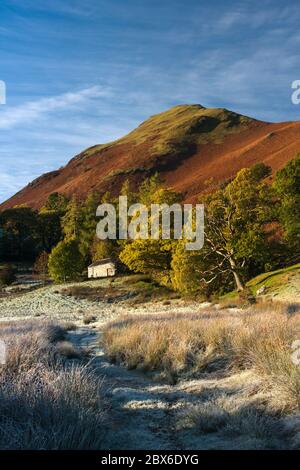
101, 261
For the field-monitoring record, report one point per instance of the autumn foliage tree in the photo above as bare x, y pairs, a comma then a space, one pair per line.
103, 249
88, 225
287, 187
235, 218
56, 202
72, 219
66, 263
41, 265
152, 256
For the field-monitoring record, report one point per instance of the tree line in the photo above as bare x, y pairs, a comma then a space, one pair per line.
251, 226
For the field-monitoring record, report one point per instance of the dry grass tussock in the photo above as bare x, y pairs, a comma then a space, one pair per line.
219, 342
46, 400
244, 423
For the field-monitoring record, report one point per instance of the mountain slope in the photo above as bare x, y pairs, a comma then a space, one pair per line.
187, 145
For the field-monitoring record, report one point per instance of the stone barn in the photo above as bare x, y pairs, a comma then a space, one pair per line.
102, 268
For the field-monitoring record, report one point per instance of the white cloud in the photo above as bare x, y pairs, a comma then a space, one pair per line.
247, 16
32, 110
9, 184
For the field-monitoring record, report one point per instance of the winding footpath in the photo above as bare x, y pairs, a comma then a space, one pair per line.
142, 412
147, 415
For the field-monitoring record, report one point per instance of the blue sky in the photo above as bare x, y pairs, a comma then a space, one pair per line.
84, 72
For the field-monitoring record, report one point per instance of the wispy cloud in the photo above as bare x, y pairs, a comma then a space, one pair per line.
32, 110
144, 57
9, 183
245, 16
68, 7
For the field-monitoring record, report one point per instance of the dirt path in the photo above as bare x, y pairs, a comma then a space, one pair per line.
149, 415
216, 411
141, 410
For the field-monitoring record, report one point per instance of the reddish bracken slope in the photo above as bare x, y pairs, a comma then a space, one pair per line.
187, 145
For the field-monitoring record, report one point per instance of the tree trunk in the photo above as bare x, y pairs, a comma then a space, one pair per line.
238, 282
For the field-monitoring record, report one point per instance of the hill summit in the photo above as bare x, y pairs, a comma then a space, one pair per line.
187, 145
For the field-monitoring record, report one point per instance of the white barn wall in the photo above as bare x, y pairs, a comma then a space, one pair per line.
103, 270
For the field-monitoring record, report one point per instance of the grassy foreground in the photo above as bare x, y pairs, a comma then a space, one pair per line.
282, 284
47, 400
218, 342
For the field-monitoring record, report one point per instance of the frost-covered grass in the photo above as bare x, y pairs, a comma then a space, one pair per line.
223, 378
46, 400
57, 302
182, 344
